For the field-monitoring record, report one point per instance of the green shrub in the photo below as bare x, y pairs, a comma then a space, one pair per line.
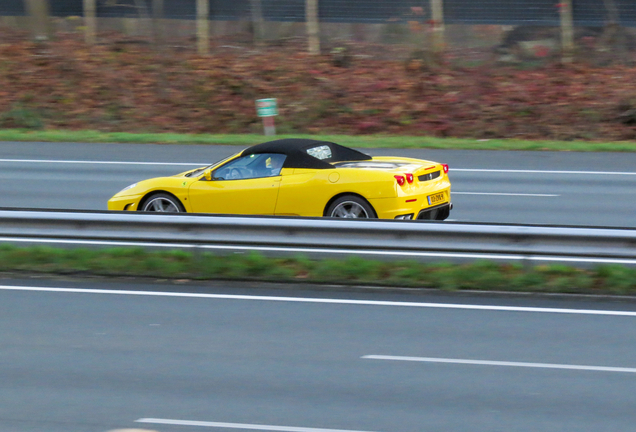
481, 275
19, 117
527, 281
211, 266
256, 264
446, 277
411, 273
617, 279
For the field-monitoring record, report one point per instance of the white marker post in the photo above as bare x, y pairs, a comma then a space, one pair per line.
267, 109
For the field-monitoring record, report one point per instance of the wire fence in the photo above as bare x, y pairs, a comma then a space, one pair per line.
489, 12
510, 26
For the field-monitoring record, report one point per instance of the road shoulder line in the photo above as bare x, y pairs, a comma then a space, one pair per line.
323, 301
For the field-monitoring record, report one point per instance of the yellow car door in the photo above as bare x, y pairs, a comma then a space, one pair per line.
304, 192
246, 185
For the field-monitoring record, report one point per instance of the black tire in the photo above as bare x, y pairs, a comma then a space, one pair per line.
163, 203
352, 207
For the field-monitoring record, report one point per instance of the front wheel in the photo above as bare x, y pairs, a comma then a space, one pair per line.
351, 207
162, 203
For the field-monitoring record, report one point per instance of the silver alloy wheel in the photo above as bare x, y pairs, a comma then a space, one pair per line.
349, 209
161, 204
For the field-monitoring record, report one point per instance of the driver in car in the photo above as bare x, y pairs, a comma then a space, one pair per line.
273, 165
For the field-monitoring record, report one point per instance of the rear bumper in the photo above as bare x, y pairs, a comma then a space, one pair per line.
415, 205
439, 212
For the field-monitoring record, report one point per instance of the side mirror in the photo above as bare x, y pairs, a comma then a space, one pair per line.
208, 174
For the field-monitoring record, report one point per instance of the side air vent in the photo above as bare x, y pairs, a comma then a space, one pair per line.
429, 176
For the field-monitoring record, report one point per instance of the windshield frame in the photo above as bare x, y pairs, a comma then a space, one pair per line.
201, 171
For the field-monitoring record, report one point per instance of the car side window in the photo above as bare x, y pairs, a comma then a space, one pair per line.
251, 166
273, 164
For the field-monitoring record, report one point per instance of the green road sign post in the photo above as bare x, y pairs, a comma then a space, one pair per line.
267, 109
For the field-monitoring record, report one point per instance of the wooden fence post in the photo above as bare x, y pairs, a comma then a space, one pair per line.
203, 27
437, 13
90, 22
313, 29
158, 27
257, 21
38, 11
567, 31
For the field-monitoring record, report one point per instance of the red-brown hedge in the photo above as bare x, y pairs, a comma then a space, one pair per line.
133, 87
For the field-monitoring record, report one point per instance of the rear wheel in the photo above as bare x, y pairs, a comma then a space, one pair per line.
350, 207
163, 203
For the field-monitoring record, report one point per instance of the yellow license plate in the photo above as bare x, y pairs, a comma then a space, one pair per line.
437, 198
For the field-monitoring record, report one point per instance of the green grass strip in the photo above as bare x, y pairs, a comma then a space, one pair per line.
363, 141
179, 265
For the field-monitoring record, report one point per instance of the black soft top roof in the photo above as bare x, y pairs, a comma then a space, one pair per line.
297, 156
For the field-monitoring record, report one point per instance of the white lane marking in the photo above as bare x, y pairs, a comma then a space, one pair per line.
100, 162
501, 363
199, 164
511, 257
504, 194
323, 301
239, 425
543, 171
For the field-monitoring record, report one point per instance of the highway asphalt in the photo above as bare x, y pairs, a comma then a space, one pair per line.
298, 360
236, 358
559, 188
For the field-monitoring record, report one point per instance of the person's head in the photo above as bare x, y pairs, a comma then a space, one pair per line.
277, 161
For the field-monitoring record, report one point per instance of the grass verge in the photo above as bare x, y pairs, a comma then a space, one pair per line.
363, 141
179, 265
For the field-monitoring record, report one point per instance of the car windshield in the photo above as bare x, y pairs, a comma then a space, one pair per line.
251, 166
200, 170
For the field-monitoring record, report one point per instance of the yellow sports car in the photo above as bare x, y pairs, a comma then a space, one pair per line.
300, 177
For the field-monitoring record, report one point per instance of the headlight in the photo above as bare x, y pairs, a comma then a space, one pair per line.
128, 187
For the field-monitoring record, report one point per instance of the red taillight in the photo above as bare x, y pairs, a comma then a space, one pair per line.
409, 177
445, 167
400, 179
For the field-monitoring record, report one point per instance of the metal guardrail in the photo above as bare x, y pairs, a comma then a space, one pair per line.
187, 230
